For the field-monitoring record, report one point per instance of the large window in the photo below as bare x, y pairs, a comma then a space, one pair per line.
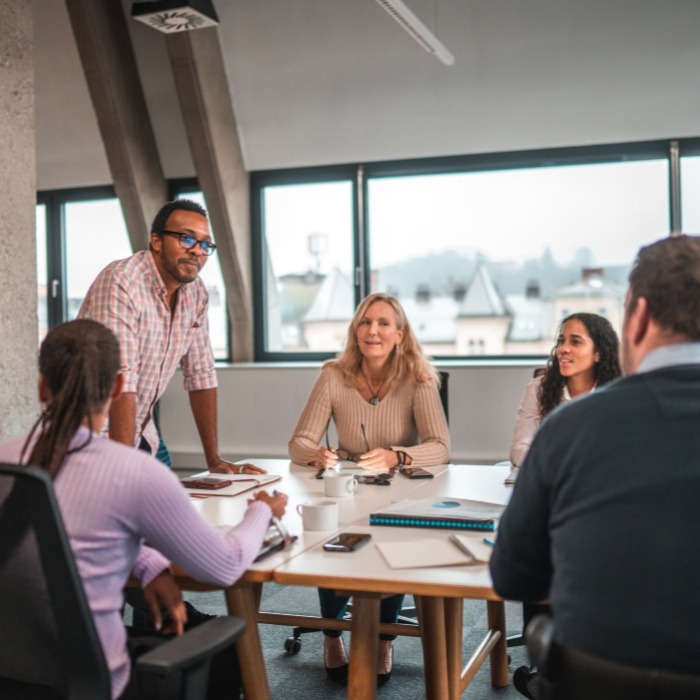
308, 266
486, 254
42, 291
690, 197
78, 234
95, 235
488, 263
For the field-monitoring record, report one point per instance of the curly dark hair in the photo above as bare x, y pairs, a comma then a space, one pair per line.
605, 342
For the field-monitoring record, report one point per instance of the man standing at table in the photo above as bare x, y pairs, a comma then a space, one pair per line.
156, 304
604, 518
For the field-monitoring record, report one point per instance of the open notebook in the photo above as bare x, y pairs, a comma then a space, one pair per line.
237, 483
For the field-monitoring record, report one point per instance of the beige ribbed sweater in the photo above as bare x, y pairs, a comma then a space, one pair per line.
409, 418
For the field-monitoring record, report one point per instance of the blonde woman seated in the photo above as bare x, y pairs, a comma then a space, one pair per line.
382, 394
584, 357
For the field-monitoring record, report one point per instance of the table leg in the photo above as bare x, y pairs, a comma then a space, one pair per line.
496, 614
364, 643
240, 600
454, 612
433, 639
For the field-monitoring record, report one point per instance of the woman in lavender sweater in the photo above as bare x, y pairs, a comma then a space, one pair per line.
114, 498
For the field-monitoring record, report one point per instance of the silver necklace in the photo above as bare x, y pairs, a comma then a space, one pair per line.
374, 400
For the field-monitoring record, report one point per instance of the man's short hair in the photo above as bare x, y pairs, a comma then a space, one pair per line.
160, 221
667, 275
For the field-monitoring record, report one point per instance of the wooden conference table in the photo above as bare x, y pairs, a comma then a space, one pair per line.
439, 591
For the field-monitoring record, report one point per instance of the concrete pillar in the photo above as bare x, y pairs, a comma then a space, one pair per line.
19, 335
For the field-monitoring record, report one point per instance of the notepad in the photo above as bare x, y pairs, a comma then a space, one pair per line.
431, 552
240, 484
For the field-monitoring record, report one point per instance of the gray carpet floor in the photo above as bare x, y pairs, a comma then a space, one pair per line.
302, 677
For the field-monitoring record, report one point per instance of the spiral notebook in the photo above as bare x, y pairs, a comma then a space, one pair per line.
439, 512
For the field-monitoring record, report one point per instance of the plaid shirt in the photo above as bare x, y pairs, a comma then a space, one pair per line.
129, 297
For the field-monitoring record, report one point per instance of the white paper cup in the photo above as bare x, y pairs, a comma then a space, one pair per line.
338, 485
319, 515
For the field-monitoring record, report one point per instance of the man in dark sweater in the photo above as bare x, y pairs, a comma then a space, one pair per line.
605, 516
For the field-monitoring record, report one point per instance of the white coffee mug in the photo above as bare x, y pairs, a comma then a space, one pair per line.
338, 485
318, 515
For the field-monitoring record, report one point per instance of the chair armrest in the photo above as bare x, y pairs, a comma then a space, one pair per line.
193, 647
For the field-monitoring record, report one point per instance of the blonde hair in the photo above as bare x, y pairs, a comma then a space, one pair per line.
406, 360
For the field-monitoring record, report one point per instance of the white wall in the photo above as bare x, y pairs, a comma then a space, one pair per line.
259, 406
332, 81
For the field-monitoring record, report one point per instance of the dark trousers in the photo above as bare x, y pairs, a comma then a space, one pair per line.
335, 606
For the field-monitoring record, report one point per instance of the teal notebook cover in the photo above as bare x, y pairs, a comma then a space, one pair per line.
439, 512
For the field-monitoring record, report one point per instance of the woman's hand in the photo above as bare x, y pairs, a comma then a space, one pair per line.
326, 458
162, 593
277, 503
379, 459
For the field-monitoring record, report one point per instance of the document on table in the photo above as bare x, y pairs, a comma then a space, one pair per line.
434, 551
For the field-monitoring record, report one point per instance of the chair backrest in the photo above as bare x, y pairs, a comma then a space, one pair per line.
569, 674
47, 633
444, 395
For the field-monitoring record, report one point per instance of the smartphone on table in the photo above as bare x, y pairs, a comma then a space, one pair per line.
347, 542
416, 473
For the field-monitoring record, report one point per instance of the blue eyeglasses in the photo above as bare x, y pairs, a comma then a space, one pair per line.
188, 241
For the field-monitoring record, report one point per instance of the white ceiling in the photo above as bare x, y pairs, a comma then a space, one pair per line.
334, 81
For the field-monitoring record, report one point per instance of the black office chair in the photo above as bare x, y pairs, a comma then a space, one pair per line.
569, 674
409, 614
49, 648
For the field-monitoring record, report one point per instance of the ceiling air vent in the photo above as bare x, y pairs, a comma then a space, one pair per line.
170, 16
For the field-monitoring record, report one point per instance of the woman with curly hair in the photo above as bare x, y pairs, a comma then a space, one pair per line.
585, 356
382, 394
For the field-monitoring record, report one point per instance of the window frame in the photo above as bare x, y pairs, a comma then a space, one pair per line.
359, 174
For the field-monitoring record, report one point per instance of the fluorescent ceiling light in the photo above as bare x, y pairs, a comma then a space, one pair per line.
398, 10
170, 16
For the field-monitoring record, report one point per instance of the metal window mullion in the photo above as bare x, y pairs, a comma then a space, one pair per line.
57, 301
674, 167
361, 248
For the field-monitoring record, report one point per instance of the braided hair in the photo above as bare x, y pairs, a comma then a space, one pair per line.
606, 344
79, 362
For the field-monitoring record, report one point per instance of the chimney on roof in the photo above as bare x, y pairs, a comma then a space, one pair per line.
532, 290
593, 276
423, 294
459, 292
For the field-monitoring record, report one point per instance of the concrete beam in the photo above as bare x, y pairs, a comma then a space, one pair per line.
19, 405
109, 64
207, 110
